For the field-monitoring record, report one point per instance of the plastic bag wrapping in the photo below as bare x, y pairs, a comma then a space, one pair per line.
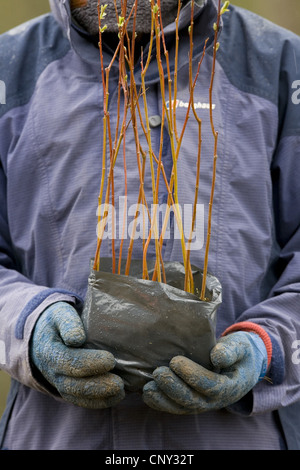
144, 324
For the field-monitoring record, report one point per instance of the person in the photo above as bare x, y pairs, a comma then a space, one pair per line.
63, 396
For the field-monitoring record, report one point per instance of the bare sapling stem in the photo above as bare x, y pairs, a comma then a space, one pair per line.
153, 227
141, 168
102, 219
136, 113
176, 71
172, 123
124, 84
192, 84
97, 261
168, 112
215, 135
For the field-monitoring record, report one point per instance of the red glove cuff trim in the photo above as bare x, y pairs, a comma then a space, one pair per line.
253, 328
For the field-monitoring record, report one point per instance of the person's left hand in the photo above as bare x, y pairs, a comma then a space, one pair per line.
239, 361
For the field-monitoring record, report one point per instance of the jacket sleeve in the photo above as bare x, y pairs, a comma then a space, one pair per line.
279, 314
21, 303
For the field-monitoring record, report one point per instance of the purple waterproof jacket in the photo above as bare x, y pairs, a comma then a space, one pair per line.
50, 168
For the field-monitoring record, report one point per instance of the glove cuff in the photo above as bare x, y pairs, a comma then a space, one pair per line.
250, 327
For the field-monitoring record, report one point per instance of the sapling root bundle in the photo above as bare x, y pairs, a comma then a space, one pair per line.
134, 113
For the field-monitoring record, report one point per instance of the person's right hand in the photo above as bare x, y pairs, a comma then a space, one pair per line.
81, 376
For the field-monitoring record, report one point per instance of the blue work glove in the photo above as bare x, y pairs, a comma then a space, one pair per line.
239, 361
81, 376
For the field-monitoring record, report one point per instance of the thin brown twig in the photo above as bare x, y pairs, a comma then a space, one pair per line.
215, 134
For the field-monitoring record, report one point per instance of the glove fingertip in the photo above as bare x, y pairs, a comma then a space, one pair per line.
160, 371
107, 359
220, 357
69, 324
74, 337
150, 387
178, 361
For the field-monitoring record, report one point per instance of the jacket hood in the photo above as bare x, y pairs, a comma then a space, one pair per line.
62, 12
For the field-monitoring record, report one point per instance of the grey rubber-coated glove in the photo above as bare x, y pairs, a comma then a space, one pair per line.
239, 361
81, 376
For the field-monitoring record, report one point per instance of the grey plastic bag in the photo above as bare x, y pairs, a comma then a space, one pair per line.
146, 323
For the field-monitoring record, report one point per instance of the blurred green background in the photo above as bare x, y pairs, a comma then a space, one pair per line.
13, 12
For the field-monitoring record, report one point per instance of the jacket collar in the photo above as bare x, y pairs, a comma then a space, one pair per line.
205, 12
62, 12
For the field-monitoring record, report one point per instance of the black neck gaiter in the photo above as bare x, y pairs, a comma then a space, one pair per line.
87, 16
